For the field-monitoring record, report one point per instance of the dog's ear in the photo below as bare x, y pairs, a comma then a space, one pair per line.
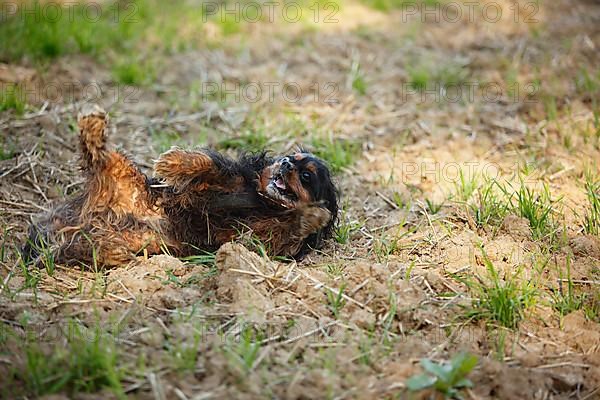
331, 197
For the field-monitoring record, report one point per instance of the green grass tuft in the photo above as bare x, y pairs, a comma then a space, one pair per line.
244, 351
253, 140
384, 246
465, 187
40, 32
591, 223
428, 75
88, 363
357, 79
434, 207
491, 205
12, 97
569, 301
338, 153
500, 300
346, 228
135, 72
185, 355
538, 209
336, 301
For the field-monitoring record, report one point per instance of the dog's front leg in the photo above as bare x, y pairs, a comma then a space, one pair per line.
196, 170
288, 234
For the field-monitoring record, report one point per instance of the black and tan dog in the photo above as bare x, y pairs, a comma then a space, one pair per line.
197, 201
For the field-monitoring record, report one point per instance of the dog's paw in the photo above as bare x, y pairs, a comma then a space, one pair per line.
312, 219
92, 123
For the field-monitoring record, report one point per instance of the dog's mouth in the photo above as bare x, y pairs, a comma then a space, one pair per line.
279, 190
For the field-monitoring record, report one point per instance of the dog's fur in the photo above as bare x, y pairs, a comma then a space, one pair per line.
197, 201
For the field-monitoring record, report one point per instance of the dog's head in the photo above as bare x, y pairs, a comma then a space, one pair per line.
301, 179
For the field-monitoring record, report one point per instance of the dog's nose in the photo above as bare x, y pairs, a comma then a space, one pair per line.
286, 165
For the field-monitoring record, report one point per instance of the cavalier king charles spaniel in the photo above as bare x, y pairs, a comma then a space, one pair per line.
196, 201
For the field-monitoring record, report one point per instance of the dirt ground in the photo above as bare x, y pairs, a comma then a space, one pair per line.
416, 111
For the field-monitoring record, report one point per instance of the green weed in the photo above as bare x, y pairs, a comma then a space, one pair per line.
6, 150
88, 363
254, 139
426, 74
591, 223
500, 343
538, 209
491, 205
447, 379
244, 351
569, 301
384, 246
335, 269
336, 301
501, 300
257, 245
357, 79
346, 228
511, 80
163, 140
433, 207
465, 187
31, 276
184, 355
41, 33
419, 78
12, 97
365, 346
4, 244
550, 107
588, 83
390, 316
204, 258
248, 141
47, 260
591, 307
400, 201
339, 154
136, 72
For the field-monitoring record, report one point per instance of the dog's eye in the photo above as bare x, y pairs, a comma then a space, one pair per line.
305, 177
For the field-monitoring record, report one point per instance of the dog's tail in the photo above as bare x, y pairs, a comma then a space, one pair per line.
92, 124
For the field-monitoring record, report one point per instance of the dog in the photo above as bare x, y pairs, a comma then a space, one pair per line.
196, 201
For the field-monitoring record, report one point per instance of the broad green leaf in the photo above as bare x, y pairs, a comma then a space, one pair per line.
439, 370
463, 364
464, 383
420, 382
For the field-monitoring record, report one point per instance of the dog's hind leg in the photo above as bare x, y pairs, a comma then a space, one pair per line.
92, 125
111, 219
114, 183
102, 245
115, 211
